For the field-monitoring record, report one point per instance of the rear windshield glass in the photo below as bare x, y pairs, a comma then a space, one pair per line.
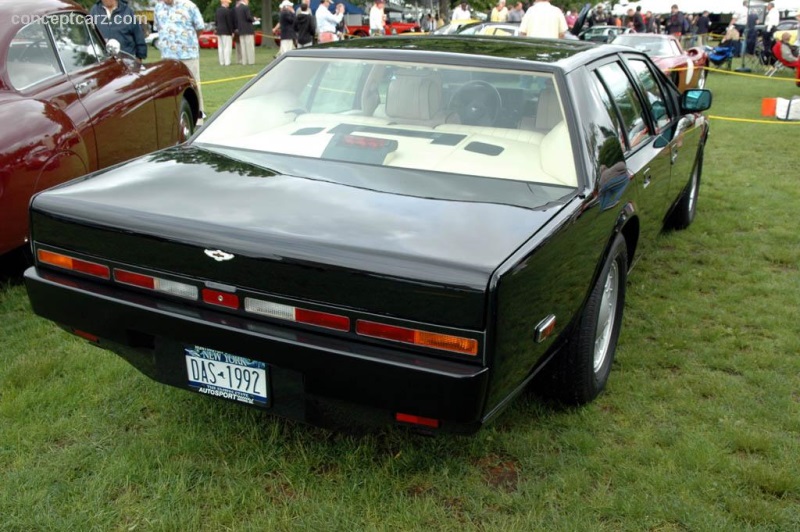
479, 122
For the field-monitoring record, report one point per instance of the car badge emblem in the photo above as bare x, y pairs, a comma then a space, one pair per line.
218, 255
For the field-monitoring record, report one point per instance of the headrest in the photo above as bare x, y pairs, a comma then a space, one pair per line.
548, 110
414, 95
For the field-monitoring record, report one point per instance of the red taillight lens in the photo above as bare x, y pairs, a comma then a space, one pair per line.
323, 319
417, 420
76, 265
158, 284
221, 299
86, 335
445, 342
298, 315
135, 279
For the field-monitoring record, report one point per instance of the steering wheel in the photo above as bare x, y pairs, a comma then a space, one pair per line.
477, 103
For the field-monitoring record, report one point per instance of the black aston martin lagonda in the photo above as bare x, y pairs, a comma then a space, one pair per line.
386, 230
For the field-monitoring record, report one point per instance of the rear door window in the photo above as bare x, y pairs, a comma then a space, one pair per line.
656, 103
631, 111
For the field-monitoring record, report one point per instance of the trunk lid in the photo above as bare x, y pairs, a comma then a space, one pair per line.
399, 247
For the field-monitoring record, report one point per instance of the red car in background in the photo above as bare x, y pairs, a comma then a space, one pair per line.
208, 39
686, 68
70, 107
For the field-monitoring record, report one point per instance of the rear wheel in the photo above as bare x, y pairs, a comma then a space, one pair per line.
186, 121
580, 372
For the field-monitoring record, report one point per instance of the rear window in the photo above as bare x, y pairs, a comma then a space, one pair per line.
490, 123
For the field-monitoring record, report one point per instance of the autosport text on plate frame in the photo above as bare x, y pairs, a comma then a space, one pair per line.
228, 376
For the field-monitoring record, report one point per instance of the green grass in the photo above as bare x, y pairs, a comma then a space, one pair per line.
699, 428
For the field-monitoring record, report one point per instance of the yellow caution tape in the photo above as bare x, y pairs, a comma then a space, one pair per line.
224, 80
753, 121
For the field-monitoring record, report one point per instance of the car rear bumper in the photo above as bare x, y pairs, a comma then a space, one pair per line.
331, 382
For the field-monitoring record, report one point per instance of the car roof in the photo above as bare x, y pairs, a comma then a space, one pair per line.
561, 53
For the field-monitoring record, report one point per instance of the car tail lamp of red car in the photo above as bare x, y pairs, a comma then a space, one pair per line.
297, 315
157, 284
72, 264
445, 342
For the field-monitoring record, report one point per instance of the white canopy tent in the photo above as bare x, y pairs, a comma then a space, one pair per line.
695, 6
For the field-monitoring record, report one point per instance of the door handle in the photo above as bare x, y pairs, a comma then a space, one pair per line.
647, 177
673, 155
85, 88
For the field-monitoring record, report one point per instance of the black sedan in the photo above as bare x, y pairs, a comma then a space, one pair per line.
384, 230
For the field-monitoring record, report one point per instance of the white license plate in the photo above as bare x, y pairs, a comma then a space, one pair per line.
221, 374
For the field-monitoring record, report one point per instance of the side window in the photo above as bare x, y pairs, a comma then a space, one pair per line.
31, 57
337, 87
73, 42
655, 97
97, 42
624, 96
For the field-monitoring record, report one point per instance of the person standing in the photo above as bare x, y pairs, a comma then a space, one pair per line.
638, 20
599, 17
570, 16
223, 22
115, 20
516, 13
703, 25
305, 26
543, 20
377, 19
461, 12
739, 18
675, 22
244, 29
178, 23
499, 12
770, 24
327, 21
285, 27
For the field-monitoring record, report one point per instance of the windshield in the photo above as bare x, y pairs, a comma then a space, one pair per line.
435, 118
654, 47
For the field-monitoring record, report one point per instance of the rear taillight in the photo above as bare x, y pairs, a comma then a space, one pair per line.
417, 420
220, 299
445, 342
72, 264
298, 315
164, 286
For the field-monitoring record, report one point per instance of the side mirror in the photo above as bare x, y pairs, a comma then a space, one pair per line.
113, 47
695, 100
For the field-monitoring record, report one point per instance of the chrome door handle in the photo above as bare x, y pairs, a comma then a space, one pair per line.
673, 155
85, 88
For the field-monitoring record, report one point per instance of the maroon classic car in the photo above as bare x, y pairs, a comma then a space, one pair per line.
686, 68
69, 107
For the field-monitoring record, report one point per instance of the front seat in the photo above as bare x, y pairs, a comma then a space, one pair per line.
414, 97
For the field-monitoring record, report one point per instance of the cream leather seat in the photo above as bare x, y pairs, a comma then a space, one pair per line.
415, 98
548, 113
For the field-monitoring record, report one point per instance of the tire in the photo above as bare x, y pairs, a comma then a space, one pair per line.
186, 121
701, 81
580, 371
684, 212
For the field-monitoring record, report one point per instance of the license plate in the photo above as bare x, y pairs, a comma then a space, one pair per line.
221, 374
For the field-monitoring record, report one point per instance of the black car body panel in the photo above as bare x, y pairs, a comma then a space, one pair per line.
481, 260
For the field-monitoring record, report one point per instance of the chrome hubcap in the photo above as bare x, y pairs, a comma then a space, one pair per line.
606, 316
185, 127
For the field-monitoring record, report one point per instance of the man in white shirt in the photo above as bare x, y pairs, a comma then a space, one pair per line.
739, 18
377, 19
461, 12
499, 12
543, 20
327, 21
770, 23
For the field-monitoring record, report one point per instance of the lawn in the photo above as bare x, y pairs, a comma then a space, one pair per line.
699, 428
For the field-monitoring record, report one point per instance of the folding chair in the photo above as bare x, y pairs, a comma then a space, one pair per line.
776, 51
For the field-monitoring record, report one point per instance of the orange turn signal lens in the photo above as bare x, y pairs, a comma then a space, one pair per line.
446, 342
76, 265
